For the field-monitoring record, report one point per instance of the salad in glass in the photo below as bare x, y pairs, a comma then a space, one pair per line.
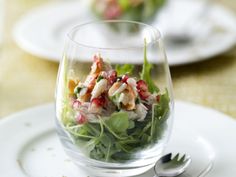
137, 10
111, 115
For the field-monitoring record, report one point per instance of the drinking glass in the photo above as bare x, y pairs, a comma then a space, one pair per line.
114, 102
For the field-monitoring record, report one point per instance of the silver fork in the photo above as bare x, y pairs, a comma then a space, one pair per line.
168, 166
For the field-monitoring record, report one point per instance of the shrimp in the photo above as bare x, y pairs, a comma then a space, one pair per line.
97, 64
96, 69
127, 94
127, 98
85, 97
132, 83
117, 88
99, 88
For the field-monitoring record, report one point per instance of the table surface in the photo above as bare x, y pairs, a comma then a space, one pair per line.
26, 80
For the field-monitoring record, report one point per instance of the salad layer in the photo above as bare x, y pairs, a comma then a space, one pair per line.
111, 116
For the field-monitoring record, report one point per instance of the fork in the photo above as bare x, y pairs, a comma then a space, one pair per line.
168, 166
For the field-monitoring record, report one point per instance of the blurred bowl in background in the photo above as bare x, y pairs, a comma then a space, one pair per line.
134, 10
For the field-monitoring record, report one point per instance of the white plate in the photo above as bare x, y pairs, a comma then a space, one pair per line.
41, 32
29, 145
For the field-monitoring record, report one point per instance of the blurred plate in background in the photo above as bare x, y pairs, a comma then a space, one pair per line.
41, 32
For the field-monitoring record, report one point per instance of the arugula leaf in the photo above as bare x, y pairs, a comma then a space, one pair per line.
131, 124
162, 108
146, 72
103, 149
161, 113
124, 69
115, 100
118, 122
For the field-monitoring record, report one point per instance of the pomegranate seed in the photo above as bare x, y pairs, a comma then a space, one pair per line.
112, 76
100, 101
81, 119
142, 89
158, 97
125, 78
141, 85
76, 104
144, 94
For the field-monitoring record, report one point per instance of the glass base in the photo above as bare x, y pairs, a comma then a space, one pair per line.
104, 172
103, 169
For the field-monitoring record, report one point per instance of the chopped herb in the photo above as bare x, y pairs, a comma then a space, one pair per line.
77, 90
99, 78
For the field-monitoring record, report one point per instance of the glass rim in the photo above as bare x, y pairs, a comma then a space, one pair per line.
70, 32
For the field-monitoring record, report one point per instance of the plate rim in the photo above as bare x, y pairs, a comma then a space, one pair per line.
48, 106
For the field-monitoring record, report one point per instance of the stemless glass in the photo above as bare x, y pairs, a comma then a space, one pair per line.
114, 102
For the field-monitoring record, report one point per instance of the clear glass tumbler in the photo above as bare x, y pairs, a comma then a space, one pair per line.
114, 102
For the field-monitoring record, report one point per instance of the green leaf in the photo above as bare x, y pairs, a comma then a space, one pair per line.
162, 108
146, 73
122, 156
124, 4
118, 122
115, 100
161, 113
145, 138
105, 148
131, 124
124, 69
